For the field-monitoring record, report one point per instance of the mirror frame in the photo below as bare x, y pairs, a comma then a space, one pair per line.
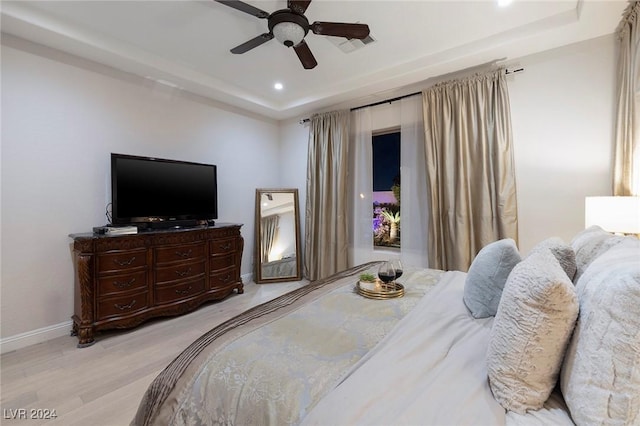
257, 277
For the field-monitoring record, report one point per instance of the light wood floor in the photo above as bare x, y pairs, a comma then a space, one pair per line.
103, 384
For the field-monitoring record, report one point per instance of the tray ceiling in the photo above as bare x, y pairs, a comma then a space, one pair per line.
186, 43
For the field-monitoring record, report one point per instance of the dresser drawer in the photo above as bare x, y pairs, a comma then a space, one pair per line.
180, 253
182, 271
122, 305
122, 283
223, 246
173, 293
223, 278
121, 261
222, 262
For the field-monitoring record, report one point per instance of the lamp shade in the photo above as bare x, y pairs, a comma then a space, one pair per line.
613, 214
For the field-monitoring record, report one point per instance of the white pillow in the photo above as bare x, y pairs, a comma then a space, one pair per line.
530, 332
487, 275
600, 377
589, 244
563, 252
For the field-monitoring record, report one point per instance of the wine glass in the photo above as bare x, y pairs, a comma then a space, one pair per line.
386, 273
397, 266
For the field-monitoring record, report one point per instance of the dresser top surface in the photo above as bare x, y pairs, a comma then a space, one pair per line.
91, 235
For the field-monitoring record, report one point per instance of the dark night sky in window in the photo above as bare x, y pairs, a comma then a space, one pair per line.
386, 160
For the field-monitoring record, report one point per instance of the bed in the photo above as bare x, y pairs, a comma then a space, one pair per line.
323, 354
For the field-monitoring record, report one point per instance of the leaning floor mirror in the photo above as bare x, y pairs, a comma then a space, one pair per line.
277, 245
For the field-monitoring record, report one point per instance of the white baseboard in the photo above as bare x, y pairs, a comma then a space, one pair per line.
40, 335
246, 278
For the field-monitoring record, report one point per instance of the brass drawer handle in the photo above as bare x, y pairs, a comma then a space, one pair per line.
122, 284
226, 246
124, 262
183, 292
184, 254
125, 307
226, 279
183, 273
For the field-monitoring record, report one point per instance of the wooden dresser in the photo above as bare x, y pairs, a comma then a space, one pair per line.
123, 280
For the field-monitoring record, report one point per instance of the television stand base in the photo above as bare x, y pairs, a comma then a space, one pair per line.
166, 224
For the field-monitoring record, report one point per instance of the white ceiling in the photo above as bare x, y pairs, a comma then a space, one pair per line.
186, 43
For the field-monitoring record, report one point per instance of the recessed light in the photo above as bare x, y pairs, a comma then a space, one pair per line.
504, 3
278, 86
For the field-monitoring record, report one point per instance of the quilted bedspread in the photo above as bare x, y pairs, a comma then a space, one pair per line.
273, 363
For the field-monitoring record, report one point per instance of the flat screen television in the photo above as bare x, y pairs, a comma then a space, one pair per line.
162, 193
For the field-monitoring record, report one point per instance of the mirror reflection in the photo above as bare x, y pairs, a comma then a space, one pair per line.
277, 236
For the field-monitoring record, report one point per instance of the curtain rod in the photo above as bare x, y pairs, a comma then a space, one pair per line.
385, 101
388, 101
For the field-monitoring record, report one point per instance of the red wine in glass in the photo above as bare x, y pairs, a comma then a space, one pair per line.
397, 266
386, 273
386, 277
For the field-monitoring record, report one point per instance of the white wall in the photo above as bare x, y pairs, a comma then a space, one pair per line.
562, 114
61, 118
562, 110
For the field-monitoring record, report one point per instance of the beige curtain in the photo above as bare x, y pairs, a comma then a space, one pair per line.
626, 180
326, 239
469, 168
268, 232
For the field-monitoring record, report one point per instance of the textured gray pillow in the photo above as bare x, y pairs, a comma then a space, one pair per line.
601, 372
589, 244
487, 276
563, 252
530, 333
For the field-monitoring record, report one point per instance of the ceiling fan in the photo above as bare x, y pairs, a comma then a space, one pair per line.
289, 26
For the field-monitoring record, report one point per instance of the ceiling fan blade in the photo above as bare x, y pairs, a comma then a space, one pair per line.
246, 8
305, 55
338, 29
254, 42
298, 6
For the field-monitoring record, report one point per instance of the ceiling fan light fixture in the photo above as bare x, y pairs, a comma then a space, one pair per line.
288, 33
289, 26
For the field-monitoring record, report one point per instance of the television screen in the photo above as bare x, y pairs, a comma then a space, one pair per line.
152, 189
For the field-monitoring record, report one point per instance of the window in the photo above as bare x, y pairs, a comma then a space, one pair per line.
386, 189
